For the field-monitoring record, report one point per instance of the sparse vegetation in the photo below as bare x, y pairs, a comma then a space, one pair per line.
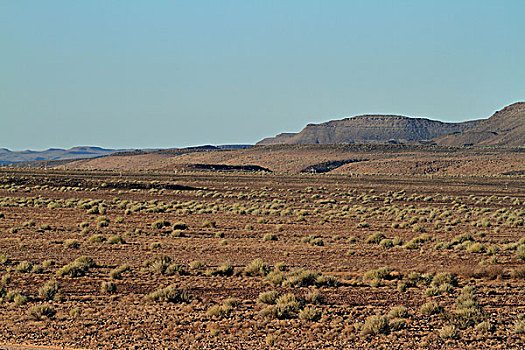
42, 310
49, 290
302, 261
108, 287
79, 267
375, 325
170, 294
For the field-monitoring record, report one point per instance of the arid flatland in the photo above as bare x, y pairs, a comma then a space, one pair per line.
211, 260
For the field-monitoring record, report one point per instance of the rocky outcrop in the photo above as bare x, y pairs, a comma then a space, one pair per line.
504, 128
371, 129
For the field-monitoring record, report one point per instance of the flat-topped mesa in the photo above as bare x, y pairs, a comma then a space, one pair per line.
371, 129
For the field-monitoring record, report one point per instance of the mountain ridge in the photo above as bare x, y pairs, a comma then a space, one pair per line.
7, 156
371, 128
505, 127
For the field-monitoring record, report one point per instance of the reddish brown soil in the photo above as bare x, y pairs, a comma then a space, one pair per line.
376, 159
335, 207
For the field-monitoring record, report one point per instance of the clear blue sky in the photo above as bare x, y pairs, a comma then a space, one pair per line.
177, 73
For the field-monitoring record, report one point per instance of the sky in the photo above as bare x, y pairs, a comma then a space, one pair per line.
159, 74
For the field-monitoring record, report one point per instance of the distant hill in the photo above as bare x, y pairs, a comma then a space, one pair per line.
504, 128
55, 156
365, 129
7, 156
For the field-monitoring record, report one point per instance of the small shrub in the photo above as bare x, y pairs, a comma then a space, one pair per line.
468, 312
280, 267
14, 296
20, 299
196, 265
169, 294
398, 312
397, 324
439, 290
309, 314
444, 278
3, 259
108, 287
257, 268
269, 297
115, 240
430, 308
397, 241
24, 267
37, 269
363, 224
218, 311
102, 224
232, 302
276, 277
476, 248
117, 272
418, 228
209, 224
520, 255
6, 279
286, 306
225, 269
386, 243
159, 224
374, 277
173, 269
29, 223
484, 326
314, 297
519, 327
375, 325
49, 290
71, 243
177, 233
43, 310
466, 237
448, 332
313, 240
77, 268
159, 264
97, 238
300, 278
270, 237
48, 263
75, 312
375, 238
271, 340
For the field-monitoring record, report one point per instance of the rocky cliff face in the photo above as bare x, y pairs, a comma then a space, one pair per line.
371, 129
504, 128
